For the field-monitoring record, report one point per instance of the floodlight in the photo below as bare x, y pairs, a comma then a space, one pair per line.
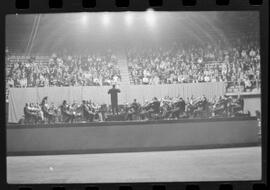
128, 18
150, 17
106, 19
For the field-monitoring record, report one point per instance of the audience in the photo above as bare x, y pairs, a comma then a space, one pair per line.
237, 64
91, 70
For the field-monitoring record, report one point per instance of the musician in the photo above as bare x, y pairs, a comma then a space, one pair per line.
154, 107
86, 112
134, 110
94, 109
114, 99
221, 106
190, 106
28, 114
178, 108
237, 105
201, 106
135, 105
66, 114
165, 107
103, 111
33, 112
144, 110
46, 110
127, 111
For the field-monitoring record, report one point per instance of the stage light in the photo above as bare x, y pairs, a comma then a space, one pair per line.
106, 19
128, 18
84, 19
150, 17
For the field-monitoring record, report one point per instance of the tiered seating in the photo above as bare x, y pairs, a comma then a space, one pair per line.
237, 64
41, 71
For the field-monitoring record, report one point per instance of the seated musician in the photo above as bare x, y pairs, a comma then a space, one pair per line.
50, 116
190, 106
178, 108
133, 110
56, 111
145, 109
94, 108
28, 115
220, 107
154, 107
67, 116
103, 111
77, 111
201, 106
87, 113
237, 105
32, 114
135, 105
167, 107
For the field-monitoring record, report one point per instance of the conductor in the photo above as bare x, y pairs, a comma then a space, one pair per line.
114, 99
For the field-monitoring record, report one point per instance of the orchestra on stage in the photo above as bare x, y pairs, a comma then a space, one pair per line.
165, 108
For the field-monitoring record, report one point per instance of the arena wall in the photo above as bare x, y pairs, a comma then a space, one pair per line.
252, 104
130, 136
19, 96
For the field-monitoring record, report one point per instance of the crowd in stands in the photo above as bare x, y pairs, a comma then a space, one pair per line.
236, 62
89, 70
163, 108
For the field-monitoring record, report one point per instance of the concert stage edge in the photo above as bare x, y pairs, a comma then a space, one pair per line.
117, 136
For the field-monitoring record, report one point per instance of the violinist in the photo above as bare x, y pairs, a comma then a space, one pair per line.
237, 105
86, 111
201, 106
67, 115
191, 106
94, 110
128, 111
220, 107
144, 110
30, 114
46, 110
178, 108
166, 107
154, 107
135, 105
135, 109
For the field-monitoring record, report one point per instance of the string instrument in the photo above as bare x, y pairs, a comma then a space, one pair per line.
147, 105
93, 109
36, 111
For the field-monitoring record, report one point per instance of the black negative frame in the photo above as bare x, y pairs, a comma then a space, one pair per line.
42, 6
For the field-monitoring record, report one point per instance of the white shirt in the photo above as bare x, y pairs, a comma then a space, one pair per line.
145, 80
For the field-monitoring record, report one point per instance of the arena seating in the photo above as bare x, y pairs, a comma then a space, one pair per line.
40, 71
238, 64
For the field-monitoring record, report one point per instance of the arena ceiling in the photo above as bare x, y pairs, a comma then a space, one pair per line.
49, 33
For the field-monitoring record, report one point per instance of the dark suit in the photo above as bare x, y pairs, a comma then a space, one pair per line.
114, 99
67, 116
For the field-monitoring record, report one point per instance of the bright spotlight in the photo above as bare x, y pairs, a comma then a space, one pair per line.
129, 18
84, 19
106, 19
150, 17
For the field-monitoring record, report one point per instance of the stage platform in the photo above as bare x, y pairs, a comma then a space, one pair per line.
102, 137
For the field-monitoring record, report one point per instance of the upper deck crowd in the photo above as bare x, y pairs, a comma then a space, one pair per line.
236, 62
